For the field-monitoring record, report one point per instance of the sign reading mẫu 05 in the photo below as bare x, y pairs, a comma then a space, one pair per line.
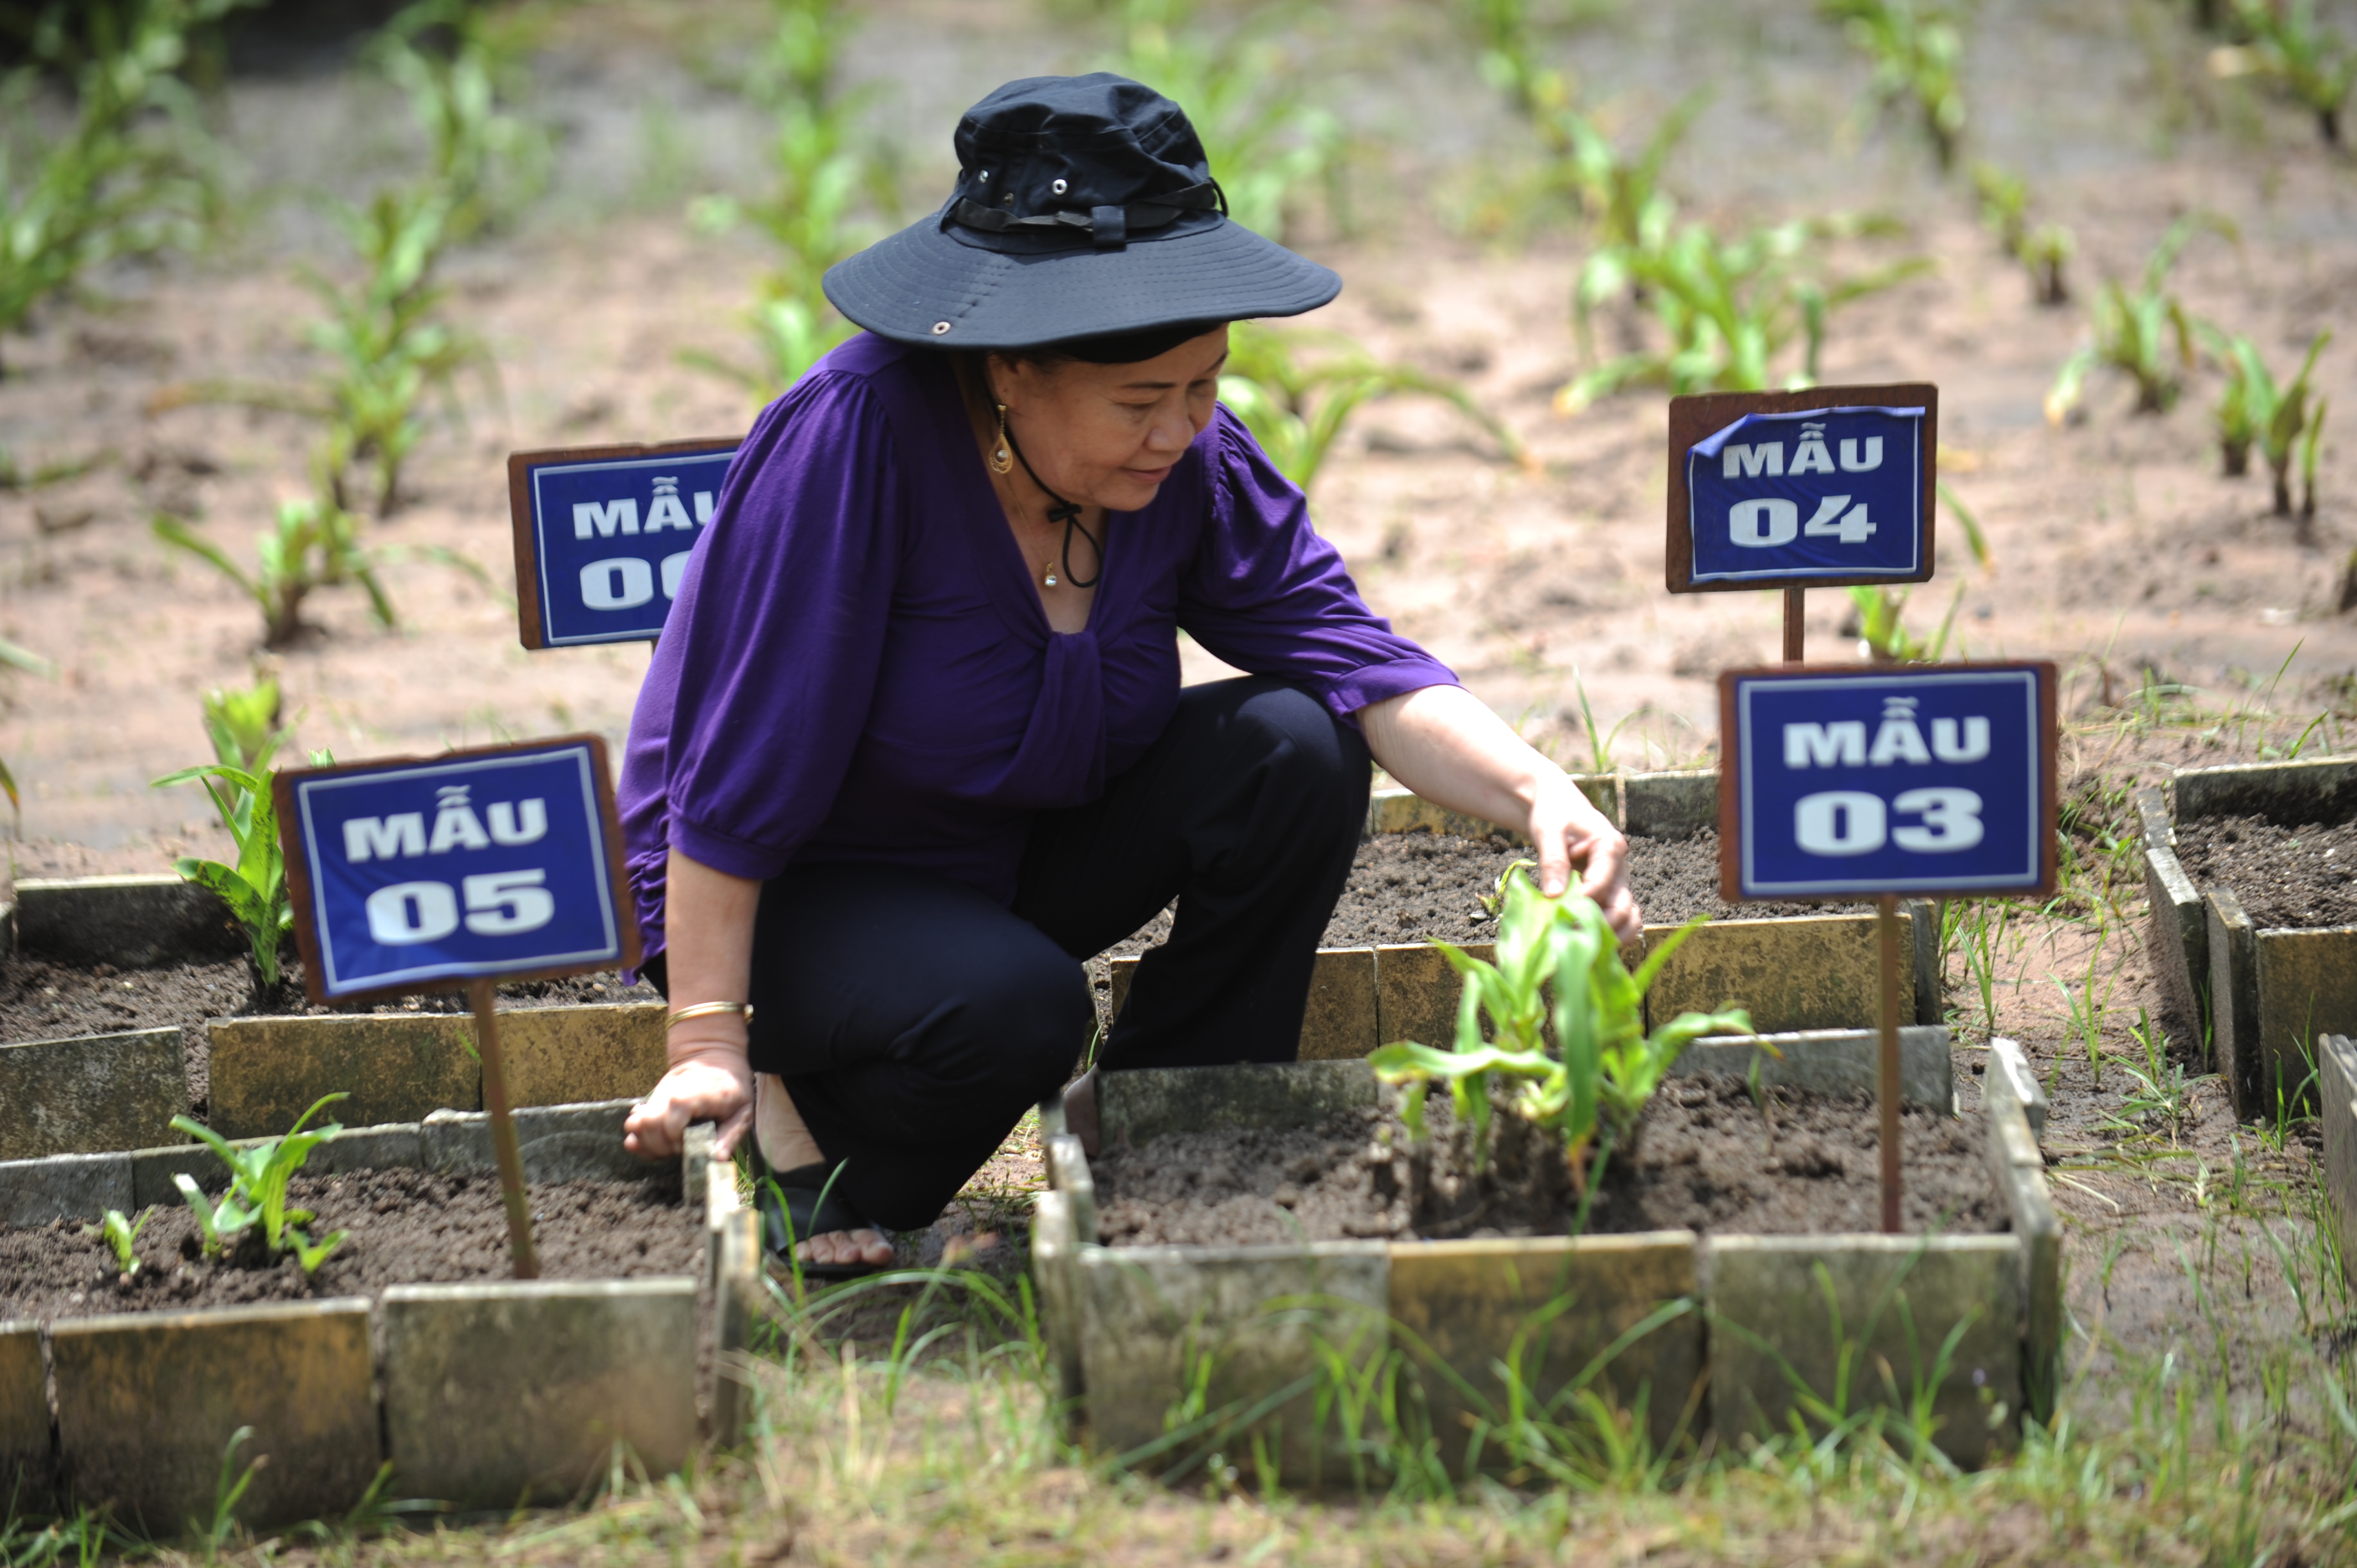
603, 535
1849, 782
423, 873
1825, 488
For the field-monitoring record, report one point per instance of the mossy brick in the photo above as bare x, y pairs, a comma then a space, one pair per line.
1416, 992
64, 1186
2235, 1041
1337, 1023
569, 1056
147, 1404
130, 922
1144, 1103
397, 1068
558, 1143
1670, 806
2336, 1110
1804, 971
24, 1457
92, 1095
2292, 793
2305, 983
497, 1392
1249, 1322
1458, 1307
1810, 1308
1834, 1061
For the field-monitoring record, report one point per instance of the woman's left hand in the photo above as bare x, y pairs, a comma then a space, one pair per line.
1572, 835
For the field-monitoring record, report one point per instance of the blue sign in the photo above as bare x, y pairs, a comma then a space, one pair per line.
1821, 492
602, 541
409, 875
1929, 782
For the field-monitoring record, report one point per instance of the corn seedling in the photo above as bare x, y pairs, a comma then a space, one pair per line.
218, 1225
129, 176
255, 888
314, 544
121, 1233
2308, 444
14, 657
2254, 410
1917, 52
2145, 332
244, 724
1594, 1087
1729, 308
1245, 95
2044, 250
2285, 44
822, 171
1296, 407
259, 1174
1882, 635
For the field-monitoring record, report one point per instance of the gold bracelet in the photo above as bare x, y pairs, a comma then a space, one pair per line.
707, 1009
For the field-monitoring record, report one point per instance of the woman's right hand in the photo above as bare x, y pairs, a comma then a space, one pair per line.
705, 1083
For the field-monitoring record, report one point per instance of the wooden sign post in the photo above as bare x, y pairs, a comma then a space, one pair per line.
1876, 781
461, 870
1829, 488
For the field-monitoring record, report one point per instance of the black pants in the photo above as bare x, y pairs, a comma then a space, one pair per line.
914, 1019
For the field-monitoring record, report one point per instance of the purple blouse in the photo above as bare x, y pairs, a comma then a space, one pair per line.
859, 668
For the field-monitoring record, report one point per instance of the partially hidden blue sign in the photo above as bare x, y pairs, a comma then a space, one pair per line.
1809, 494
420, 875
603, 535
1845, 782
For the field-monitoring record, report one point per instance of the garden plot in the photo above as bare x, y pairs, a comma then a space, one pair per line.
2248, 877
1326, 1280
1424, 873
393, 1337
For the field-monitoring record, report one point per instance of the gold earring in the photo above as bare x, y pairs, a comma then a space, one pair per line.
1002, 461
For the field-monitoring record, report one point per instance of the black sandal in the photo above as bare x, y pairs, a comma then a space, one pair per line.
799, 1204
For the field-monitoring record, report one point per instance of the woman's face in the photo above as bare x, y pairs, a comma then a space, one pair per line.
1109, 434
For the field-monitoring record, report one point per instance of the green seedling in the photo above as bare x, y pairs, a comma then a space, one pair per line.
2162, 1092
1728, 307
2144, 332
1297, 406
244, 724
255, 888
2308, 445
219, 1225
259, 1174
2285, 45
1918, 55
120, 1234
14, 657
1884, 636
2044, 250
1591, 1087
2254, 409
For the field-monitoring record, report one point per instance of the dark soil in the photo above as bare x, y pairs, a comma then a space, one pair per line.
45, 1001
408, 1227
1707, 1159
2304, 875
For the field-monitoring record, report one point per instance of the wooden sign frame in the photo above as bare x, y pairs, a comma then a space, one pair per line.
299, 887
1730, 828
527, 545
1696, 415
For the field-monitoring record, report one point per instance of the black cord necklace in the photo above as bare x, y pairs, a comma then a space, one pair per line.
1069, 514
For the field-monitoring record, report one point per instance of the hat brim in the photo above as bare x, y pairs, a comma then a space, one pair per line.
906, 285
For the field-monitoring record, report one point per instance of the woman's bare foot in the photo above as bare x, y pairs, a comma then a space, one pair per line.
1080, 1111
787, 1144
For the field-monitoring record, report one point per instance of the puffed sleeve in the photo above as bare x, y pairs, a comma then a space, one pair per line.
1266, 594
760, 683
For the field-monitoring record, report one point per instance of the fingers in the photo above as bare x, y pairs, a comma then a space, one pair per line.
732, 1132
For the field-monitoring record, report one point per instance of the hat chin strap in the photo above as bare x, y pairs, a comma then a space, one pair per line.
1063, 511
1109, 227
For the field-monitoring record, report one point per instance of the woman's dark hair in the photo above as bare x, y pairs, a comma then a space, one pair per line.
1120, 348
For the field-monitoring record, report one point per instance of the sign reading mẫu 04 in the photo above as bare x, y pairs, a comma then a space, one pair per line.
426, 873
1819, 488
603, 535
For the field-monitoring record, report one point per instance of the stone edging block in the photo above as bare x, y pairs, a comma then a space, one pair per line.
130, 922
2009, 1074
495, 1392
1836, 1062
2314, 791
1669, 806
397, 1067
594, 1050
2337, 1109
24, 1414
559, 1142
2180, 930
90, 1095
2018, 1169
147, 1401
1797, 973
64, 1186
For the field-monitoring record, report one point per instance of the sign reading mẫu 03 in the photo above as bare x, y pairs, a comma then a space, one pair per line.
1825, 488
603, 535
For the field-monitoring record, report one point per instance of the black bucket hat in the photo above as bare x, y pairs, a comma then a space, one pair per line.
1084, 208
